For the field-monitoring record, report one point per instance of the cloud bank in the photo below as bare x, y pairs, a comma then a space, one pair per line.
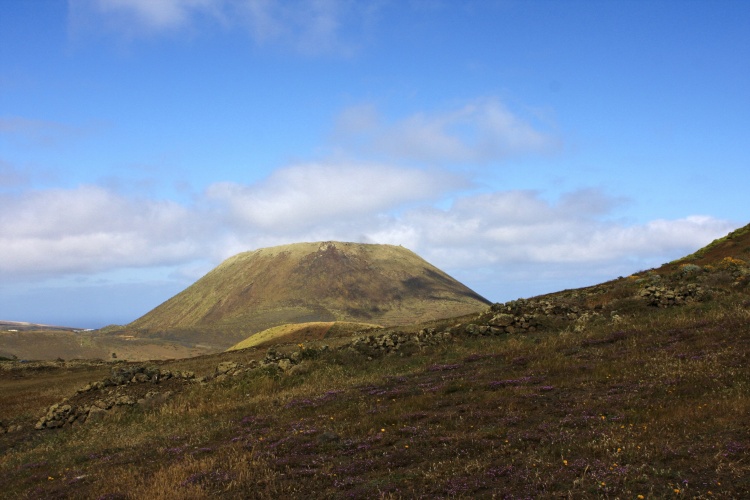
92, 229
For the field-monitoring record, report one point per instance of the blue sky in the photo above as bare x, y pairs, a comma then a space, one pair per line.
522, 146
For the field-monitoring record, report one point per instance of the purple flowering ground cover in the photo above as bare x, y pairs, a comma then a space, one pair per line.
653, 407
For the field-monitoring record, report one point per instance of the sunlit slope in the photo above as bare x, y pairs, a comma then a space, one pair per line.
300, 333
735, 245
308, 282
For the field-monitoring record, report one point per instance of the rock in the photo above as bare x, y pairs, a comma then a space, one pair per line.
96, 414
124, 400
502, 320
226, 367
285, 364
101, 404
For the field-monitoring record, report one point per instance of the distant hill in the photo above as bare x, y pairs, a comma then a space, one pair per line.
21, 326
310, 282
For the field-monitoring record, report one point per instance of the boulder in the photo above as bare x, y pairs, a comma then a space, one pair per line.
502, 320
226, 367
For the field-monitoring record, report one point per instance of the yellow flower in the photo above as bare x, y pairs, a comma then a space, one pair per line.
641, 497
565, 462
382, 430
677, 490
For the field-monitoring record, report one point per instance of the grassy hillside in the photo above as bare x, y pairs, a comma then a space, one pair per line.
634, 388
302, 332
653, 407
311, 282
734, 245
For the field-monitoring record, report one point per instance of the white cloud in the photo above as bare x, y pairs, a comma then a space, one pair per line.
305, 195
478, 132
89, 229
311, 27
508, 240
519, 227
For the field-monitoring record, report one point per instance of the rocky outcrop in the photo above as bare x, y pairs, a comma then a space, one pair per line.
92, 403
664, 296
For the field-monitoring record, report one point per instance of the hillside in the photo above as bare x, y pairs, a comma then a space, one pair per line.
21, 326
300, 333
735, 245
634, 388
310, 282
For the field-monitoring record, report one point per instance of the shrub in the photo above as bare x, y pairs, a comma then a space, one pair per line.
688, 269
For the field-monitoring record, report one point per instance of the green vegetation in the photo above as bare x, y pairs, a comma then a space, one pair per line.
310, 282
656, 405
635, 388
722, 247
303, 332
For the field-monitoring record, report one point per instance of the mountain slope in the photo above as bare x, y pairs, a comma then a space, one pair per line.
735, 245
307, 282
597, 392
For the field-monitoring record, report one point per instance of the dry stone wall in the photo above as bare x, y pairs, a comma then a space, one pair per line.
93, 401
664, 296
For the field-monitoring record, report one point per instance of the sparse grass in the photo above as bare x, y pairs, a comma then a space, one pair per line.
651, 407
303, 332
721, 247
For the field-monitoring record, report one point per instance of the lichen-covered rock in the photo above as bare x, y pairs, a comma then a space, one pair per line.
663, 296
502, 320
226, 367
